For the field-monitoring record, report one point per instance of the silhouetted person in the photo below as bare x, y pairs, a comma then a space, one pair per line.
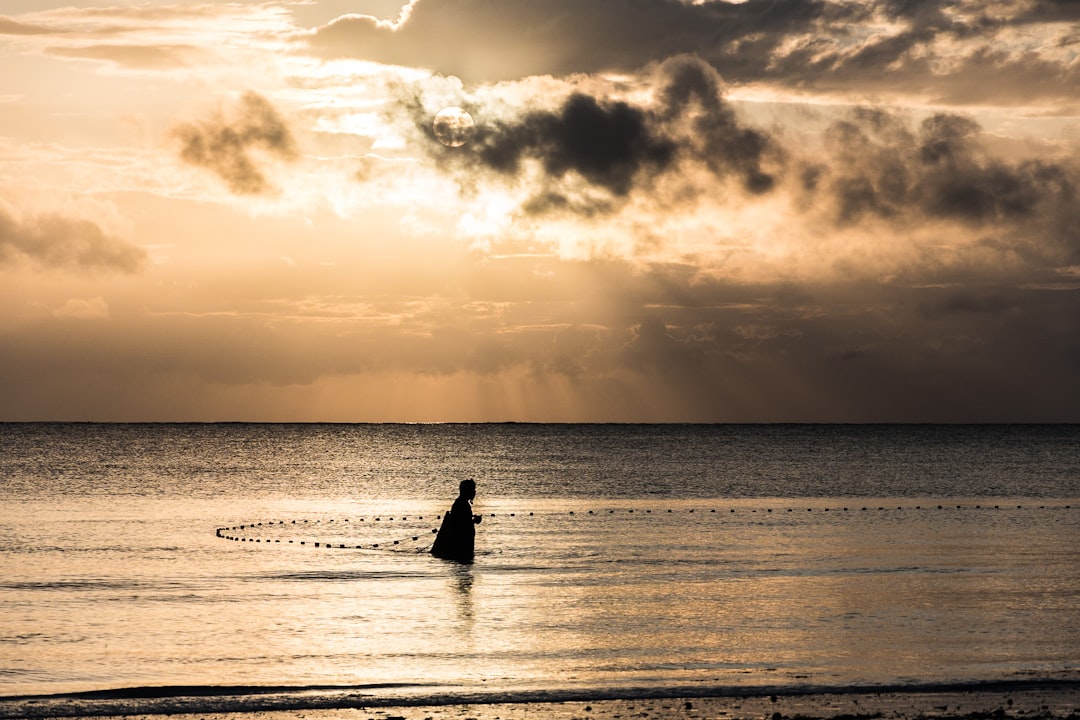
457, 535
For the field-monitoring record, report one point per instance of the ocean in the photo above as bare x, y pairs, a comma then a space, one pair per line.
225, 560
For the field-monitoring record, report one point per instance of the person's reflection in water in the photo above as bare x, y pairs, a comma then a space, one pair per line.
457, 536
463, 585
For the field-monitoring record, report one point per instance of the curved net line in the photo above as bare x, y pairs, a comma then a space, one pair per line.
414, 534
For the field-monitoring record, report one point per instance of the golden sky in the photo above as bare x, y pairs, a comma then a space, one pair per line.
808, 210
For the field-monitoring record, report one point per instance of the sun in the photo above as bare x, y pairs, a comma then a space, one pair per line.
453, 126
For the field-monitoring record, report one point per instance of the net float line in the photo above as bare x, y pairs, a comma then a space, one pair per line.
310, 537
248, 532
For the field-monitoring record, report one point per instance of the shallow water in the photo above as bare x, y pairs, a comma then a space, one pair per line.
610, 556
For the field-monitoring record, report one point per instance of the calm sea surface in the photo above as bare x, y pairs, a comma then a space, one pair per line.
610, 557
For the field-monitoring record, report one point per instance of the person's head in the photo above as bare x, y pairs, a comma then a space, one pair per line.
467, 489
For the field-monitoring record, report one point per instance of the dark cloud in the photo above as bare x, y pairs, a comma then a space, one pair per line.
608, 143
615, 146
706, 349
489, 40
825, 44
480, 40
943, 57
683, 140
55, 241
1049, 11
956, 180
877, 353
879, 167
858, 352
1018, 78
653, 348
693, 90
974, 301
225, 147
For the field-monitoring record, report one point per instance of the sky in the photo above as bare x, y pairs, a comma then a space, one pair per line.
664, 211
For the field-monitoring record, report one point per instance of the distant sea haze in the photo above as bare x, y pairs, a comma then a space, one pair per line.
609, 557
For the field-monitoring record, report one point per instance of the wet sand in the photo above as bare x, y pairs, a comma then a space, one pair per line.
1051, 702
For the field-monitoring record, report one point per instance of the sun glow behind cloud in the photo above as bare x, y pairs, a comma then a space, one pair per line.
759, 229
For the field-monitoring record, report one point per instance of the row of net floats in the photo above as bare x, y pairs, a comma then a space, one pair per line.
387, 545
223, 532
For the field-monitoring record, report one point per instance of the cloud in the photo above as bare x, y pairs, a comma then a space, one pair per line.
485, 40
844, 352
938, 50
224, 147
140, 57
665, 342
1048, 11
593, 150
83, 309
55, 241
491, 41
692, 92
9, 26
671, 167
878, 167
608, 143
653, 348
172, 19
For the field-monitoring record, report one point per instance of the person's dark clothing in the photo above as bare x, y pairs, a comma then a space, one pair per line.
457, 534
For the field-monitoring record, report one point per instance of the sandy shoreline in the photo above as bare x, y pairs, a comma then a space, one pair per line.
1026, 702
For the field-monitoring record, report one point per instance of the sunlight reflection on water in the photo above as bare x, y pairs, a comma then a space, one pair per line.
104, 590
602, 599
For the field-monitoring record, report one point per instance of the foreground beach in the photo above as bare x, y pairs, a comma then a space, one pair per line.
1000, 701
